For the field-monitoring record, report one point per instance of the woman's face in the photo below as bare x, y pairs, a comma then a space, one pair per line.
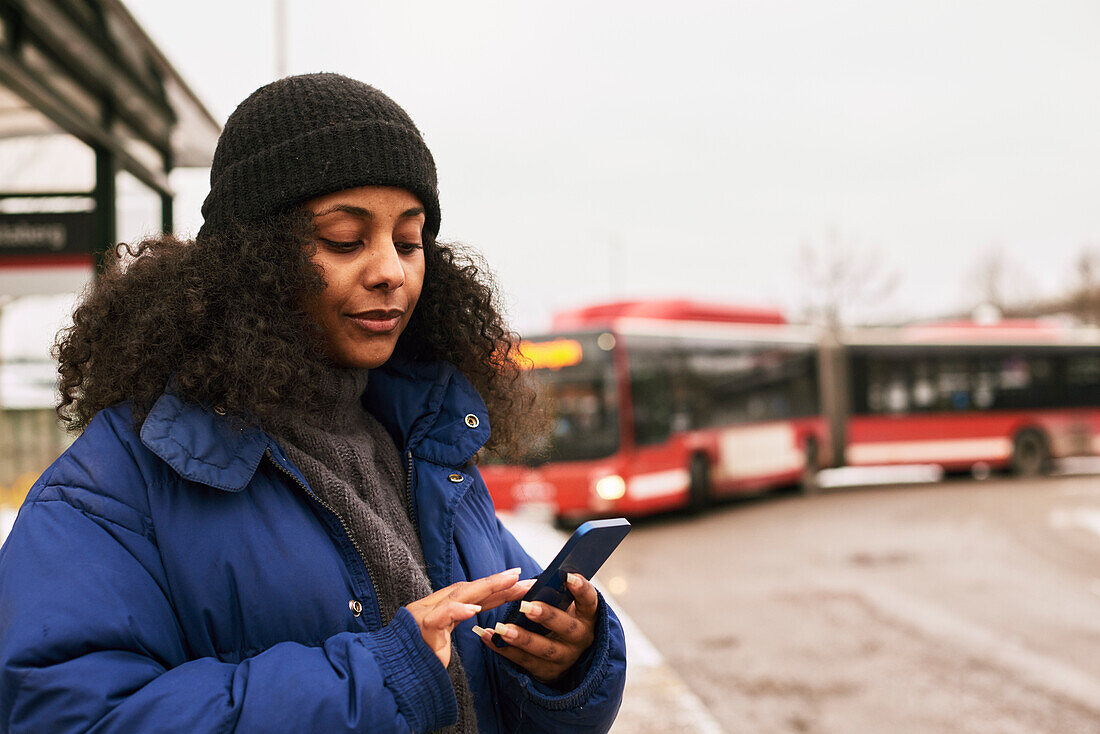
369, 244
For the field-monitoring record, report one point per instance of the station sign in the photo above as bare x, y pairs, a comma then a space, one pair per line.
43, 238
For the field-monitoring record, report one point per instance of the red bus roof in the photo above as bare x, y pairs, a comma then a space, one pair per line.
967, 324
1003, 332
605, 314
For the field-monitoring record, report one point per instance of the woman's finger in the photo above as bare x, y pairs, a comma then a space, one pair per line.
480, 590
586, 600
533, 664
563, 624
445, 615
513, 593
543, 648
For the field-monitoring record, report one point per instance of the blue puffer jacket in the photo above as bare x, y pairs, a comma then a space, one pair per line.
186, 579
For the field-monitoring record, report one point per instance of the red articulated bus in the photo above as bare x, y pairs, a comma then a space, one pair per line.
666, 404
1016, 395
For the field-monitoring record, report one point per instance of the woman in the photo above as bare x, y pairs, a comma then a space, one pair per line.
272, 521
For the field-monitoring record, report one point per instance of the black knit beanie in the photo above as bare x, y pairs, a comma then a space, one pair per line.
305, 136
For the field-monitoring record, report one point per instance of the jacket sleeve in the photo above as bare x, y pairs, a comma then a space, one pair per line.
89, 641
530, 706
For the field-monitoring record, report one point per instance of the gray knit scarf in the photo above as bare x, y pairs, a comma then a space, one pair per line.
352, 464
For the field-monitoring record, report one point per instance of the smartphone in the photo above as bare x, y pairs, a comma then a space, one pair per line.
586, 550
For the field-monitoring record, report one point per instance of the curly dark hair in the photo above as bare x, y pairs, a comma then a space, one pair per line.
222, 317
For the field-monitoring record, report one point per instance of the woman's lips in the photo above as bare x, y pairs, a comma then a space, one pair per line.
377, 322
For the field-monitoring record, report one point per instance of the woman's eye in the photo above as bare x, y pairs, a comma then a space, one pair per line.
408, 247
339, 245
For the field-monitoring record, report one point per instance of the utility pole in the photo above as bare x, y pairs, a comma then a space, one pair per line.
280, 39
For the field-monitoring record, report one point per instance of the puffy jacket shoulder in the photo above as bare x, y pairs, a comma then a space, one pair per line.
106, 473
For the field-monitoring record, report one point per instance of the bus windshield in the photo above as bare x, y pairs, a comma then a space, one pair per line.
579, 378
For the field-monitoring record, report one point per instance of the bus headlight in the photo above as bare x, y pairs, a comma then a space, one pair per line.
611, 487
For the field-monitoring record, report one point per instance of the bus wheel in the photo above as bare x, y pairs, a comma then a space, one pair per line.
807, 482
1030, 455
699, 487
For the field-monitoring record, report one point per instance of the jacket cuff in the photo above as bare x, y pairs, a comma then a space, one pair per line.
420, 684
590, 670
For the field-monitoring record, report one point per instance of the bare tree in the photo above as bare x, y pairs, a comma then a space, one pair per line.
1084, 300
842, 283
996, 279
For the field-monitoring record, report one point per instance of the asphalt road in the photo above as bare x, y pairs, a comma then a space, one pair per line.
960, 607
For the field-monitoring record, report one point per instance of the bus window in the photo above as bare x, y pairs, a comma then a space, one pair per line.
687, 385
1083, 369
983, 391
651, 393
897, 395
1015, 374
1083, 379
875, 402
973, 378
954, 385
652, 416
924, 391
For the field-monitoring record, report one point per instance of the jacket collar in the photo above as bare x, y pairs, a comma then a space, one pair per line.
426, 407
429, 408
202, 445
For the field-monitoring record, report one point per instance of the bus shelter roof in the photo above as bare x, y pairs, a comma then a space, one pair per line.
88, 69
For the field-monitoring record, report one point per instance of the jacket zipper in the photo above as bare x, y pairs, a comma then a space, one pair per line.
409, 498
309, 492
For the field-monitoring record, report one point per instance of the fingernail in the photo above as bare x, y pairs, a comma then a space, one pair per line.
511, 572
526, 607
573, 579
505, 631
474, 608
479, 631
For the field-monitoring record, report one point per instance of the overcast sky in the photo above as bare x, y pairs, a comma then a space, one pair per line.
595, 150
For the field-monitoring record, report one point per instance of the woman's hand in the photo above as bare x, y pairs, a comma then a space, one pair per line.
548, 657
438, 613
